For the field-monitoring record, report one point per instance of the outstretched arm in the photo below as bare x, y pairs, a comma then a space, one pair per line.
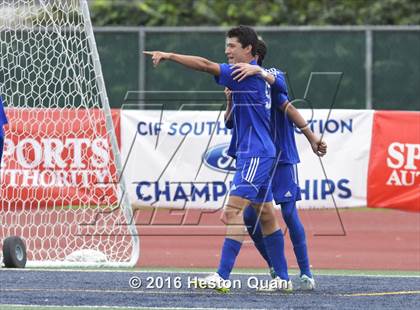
192, 62
319, 147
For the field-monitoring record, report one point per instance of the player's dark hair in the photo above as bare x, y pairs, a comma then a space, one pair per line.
246, 36
261, 51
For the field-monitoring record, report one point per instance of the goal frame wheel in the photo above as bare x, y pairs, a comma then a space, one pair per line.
14, 252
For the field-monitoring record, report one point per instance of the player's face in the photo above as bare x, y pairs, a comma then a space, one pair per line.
235, 52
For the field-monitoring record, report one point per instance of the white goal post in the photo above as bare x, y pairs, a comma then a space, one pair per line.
61, 186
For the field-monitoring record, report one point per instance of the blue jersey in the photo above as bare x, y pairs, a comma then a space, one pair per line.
282, 127
3, 118
251, 114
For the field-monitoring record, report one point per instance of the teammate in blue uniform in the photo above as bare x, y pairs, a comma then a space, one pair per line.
3, 121
254, 151
285, 184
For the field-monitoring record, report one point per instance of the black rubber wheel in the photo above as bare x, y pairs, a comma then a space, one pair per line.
14, 252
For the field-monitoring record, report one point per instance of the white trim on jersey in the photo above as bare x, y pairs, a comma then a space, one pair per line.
273, 71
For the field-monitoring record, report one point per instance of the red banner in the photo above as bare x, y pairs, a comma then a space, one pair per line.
56, 157
394, 166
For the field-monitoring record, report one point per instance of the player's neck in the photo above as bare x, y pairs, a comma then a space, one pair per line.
245, 59
248, 59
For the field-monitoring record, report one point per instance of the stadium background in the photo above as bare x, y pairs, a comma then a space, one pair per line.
380, 64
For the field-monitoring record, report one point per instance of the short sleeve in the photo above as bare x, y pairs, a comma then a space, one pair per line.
281, 100
280, 81
225, 77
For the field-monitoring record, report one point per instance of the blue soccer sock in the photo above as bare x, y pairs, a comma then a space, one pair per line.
254, 230
230, 250
274, 244
297, 235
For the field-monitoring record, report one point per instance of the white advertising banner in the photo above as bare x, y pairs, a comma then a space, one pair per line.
348, 135
179, 158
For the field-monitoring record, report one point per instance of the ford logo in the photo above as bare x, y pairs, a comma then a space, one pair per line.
217, 158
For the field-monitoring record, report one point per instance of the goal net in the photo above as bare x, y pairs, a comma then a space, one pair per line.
62, 187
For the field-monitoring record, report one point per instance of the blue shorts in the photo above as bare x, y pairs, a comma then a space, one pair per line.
252, 179
285, 185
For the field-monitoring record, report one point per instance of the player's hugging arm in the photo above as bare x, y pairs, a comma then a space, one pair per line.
275, 79
189, 61
318, 146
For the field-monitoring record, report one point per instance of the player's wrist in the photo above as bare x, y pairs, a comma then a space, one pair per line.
263, 73
313, 140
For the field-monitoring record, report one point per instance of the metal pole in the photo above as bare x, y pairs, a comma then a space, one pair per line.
369, 77
125, 203
142, 68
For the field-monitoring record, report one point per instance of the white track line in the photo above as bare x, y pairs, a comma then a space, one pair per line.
111, 307
262, 272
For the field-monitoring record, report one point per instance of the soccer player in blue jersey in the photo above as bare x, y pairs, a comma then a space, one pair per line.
3, 121
285, 185
255, 151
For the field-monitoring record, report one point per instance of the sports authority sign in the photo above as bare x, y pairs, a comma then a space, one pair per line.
179, 158
60, 154
394, 169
